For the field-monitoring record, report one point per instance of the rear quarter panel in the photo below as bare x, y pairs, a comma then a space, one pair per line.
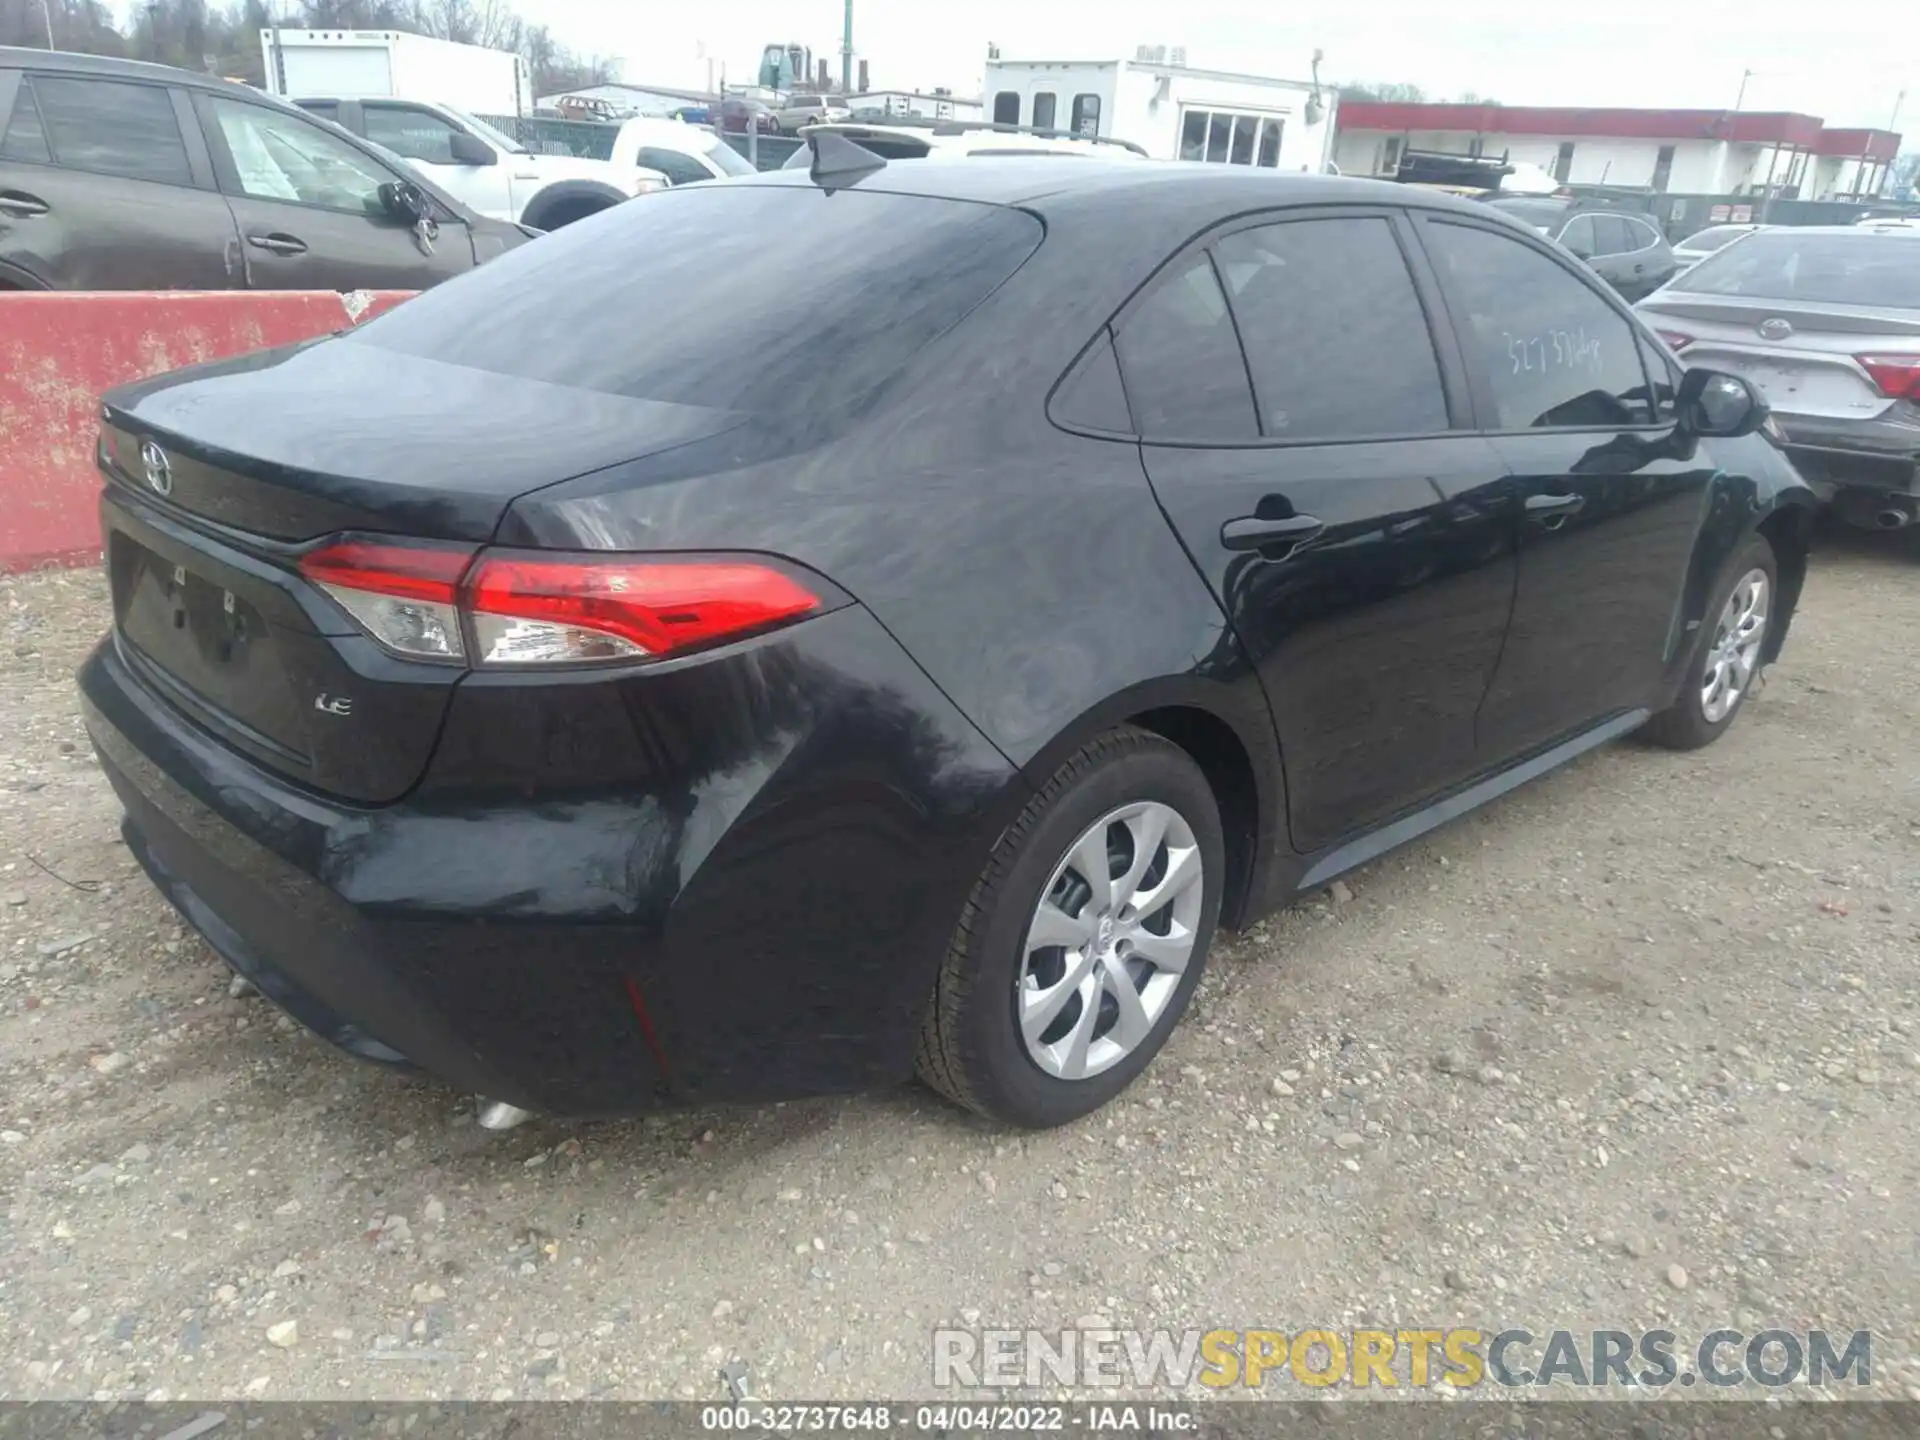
1028, 571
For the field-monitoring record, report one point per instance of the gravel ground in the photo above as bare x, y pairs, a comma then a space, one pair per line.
1636, 1045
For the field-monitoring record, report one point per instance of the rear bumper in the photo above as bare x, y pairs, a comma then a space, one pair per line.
1880, 455
768, 931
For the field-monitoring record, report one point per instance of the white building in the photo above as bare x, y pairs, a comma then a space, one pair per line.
1682, 152
1173, 111
912, 102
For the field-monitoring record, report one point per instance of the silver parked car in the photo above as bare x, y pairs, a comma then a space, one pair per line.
1825, 322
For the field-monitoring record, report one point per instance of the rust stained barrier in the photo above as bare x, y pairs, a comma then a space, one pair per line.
59, 351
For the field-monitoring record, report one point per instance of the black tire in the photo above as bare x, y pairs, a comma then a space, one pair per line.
557, 216
1684, 725
971, 1049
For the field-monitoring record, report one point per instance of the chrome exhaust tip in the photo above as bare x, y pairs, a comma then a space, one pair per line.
1892, 518
498, 1115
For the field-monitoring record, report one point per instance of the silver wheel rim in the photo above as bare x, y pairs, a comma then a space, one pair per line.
1736, 647
1109, 941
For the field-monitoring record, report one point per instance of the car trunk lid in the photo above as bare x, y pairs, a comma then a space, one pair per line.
1803, 357
219, 478
338, 435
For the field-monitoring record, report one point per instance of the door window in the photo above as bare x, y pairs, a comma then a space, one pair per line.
25, 139
112, 128
1640, 235
1086, 114
1006, 108
1044, 104
1548, 351
1616, 234
1580, 237
680, 169
277, 156
409, 133
1185, 377
1333, 330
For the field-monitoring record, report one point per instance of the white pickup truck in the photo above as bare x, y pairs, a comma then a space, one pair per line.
488, 171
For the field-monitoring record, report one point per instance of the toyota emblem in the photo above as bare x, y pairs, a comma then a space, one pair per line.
1775, 329
159, 472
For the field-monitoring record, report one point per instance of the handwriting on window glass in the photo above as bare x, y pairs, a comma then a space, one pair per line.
1553, 350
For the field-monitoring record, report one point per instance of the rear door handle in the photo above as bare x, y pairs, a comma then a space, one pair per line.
22, 205
278, 243
1252, 532
1550, 512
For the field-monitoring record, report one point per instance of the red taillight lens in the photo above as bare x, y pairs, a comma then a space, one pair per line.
543, 609
1676, 340
404, 595
1898, 376
539, 608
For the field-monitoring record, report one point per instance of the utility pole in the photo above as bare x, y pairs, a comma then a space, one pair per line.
846, 53
1738, 100
1860, 165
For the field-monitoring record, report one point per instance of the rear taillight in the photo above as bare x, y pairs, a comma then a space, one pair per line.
545, 608
1676, 340
1898, 376
539, 609
405, 596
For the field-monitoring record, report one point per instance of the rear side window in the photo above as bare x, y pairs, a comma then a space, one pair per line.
681, 298
113, 128
1333, 330
680, 169
1181, 361
1618, 235
25, 139
1548, 351
411, 134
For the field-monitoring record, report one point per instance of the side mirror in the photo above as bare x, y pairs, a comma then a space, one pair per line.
406, 202
471, 149
1712, 403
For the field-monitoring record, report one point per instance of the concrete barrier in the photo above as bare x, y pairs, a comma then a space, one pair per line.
59, 351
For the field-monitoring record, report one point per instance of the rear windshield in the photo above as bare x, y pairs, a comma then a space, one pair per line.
1823, 269
759, 298
1542, 214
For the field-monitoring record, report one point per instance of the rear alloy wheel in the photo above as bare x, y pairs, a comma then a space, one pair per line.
1084, 939
1726, 663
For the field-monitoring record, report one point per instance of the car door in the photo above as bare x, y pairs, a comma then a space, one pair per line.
425, 138
1299, 426
307, 202
102, 189
1610, 496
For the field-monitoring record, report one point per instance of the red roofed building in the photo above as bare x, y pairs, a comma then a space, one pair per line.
1696, 152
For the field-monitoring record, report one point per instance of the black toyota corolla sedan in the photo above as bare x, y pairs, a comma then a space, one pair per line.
666, 665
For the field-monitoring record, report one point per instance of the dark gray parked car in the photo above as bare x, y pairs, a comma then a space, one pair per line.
1623, 247
115, 175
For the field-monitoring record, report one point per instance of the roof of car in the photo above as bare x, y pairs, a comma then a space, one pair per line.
15, 58
1042, 179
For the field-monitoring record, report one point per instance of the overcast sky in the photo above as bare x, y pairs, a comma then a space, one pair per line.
1626, 52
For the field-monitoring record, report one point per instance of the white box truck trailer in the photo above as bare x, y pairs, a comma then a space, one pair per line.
362, 64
